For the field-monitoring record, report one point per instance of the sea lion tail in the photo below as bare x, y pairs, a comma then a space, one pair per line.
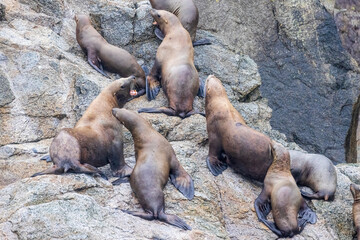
173, 220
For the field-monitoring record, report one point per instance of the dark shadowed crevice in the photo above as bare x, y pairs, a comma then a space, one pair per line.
352, 142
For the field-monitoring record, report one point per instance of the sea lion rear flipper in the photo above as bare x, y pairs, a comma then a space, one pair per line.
192, 112
215, 166
200, 42
87, 168
145, 69
120, 181
201, 93
159, 34
311, 195
144, 215
181, 179
173, 220
47, 158
167, 111
52, 170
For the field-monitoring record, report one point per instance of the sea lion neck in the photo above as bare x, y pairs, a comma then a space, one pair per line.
281, 159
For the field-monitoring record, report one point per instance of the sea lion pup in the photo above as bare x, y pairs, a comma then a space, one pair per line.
186, 11
281, 195
174, 65
102, 54
231, 141
316, 172
155, 162
96, 139
355, 191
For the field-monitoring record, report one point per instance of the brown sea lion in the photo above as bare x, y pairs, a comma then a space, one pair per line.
355, 191
96, 139
155, 162
174, 66
187, 13
102, 54
316, 172
231, 141
281, 195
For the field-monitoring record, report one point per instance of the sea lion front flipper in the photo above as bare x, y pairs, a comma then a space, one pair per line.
181, 179
152, 88
117, 161
159, 34
47, 158
120, 181
52, 170
145, 69
201, 93
306, 215
200, 42
93, 61
173, 220
215, 166
165, 110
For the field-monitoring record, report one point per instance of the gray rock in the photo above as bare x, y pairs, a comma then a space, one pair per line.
6, 94
2, 12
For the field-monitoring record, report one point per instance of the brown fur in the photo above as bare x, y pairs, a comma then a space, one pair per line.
96, 139
231, 141
100, 52
355, 191
185, 10
155, 162
316, 172
174, 66
284, 196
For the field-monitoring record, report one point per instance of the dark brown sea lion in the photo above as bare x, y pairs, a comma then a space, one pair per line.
102, 54
355, 190
96, 139
155, 162
281, 195
316, 172
231, 141
187, 13
174, 66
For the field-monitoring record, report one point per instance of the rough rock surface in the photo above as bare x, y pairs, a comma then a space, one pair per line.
46, 84
299, 55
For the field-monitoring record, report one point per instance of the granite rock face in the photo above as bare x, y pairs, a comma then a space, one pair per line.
46, 84
309, 79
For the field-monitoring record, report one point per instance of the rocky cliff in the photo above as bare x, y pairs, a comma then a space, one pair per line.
282, 64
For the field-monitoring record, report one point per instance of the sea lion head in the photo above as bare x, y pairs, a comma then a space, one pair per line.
82, 20
164, 19
126, 117
355, 191
122, 89
214, 87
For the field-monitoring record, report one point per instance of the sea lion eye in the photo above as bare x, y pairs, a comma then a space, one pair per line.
122, 87
159, 16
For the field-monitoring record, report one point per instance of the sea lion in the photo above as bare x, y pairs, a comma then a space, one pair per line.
96, 139
281, 195
174, 65
155, 162
316, 172
186, 11
231, 141
102, 54
355, 191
